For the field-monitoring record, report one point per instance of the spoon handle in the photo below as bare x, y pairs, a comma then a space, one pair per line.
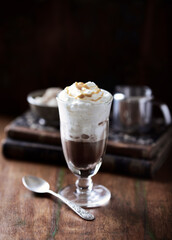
76, 208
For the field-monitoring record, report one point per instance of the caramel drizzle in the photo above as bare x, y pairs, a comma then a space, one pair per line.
79, 86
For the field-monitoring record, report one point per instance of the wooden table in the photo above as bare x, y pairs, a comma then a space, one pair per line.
139, 209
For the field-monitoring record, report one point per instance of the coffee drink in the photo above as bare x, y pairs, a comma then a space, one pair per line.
84, 124
84, 117
84, 155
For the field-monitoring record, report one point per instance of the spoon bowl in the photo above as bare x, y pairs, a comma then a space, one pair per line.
34, 184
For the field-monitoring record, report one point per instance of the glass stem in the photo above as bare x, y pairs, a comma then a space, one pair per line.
84, 185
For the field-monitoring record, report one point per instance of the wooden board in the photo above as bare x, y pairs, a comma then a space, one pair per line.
27, 128
44, 153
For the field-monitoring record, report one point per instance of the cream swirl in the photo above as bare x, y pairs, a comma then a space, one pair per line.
88, 92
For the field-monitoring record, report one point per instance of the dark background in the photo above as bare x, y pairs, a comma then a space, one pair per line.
51, 43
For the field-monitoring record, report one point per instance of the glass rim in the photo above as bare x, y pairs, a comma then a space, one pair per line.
134, 90
133, 86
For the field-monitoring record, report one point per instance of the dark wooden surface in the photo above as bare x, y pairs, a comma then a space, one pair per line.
139, 209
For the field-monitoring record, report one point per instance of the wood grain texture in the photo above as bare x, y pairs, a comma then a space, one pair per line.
139, 209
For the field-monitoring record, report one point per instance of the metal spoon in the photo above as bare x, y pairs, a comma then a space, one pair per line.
39, 185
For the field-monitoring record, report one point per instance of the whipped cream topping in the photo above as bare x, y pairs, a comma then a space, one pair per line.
84, 110
88, 92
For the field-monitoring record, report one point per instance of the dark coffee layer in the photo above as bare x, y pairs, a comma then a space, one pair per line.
82, 154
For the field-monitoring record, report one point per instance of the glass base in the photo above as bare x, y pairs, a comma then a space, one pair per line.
98, 196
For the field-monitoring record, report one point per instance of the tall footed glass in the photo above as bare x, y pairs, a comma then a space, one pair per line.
84, 131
